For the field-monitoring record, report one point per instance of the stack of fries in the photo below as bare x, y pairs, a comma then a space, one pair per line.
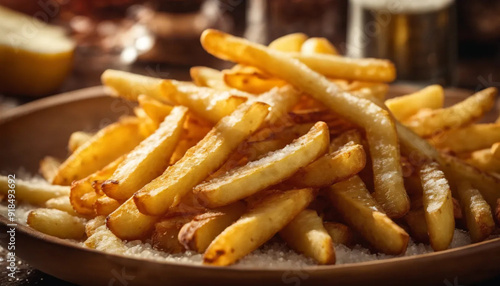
294, 141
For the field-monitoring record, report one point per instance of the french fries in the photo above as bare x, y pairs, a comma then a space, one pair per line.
340, 233
205, 76
48, 167
429, 122
249, 232
306, 234
126, 215
415, 219
56, 223
32, 193
402, 107
154, 109
289, 43
130, 86
77, 139
105, 205
438, 206
250, 80
61, 203
469, 138
165, 233
104, 147
269, 170
362, 213
148, 160
318, 46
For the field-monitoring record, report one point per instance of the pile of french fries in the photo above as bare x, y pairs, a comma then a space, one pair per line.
294, 141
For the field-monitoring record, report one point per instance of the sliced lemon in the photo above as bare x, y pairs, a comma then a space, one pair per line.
35, 57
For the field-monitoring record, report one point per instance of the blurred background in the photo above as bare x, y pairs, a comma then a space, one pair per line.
454, 43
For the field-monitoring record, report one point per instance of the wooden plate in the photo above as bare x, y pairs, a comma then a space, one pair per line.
42, 128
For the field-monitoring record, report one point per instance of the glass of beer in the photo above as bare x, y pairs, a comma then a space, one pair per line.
418, 36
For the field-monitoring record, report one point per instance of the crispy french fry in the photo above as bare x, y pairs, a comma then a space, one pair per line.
204, 228
104, 147
127, 223
205, 76
484, 161
384, 148
429, 122
438, 206
269, 170
154, 109
362, 213
148, 160
340, 233
130, 86
256, 226
478, 216
166, 231
57, 223
48, 167
77, 139
166, 191
418, 225
31, 192
61, 203
105, 205
103, 239
369, 89
289, 43
250, 80
83, 195
281, 100
402, 107
306, 234
318, 46
468, 138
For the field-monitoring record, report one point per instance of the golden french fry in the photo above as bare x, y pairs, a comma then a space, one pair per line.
205, 76
281, 100
469, 138
362, 213
166, 231
495, 150
478, 215
104, 240
127, 223
36, 193
130, 85
369, 89
402, 107
418, 225
48, 167
208, 103
340, 233
83, 194
437, 206
256, 226
104, 147
428, 122
105, 205
57, 223
77, 139
484, 161
250, 80
92, 225
318, 46
205, 157
383, 141
204, 228
289, 43
61, 203
306, 234
267, 171
154, 109
148, 160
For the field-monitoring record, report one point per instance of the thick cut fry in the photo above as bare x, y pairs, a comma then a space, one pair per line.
429, 122
281, 100
418, 225
255, 176
83, 192
402, 107
130, 86
257, 226
362, 213
31, 192
484, 161
250, 79
468, 138
478, 216
438, 206
306, 234
340, 233
57, 223
166, 231
105, 205
48, 167
380, 129
148, 160
210, 153
127, 223
92, 225
61, 203
154, 109
205, 76
207, 103
77, 139
104, 147
331, 168
318, 46
289, 43
104, 240
204, 228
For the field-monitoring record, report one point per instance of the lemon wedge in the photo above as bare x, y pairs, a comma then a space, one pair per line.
35, 57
